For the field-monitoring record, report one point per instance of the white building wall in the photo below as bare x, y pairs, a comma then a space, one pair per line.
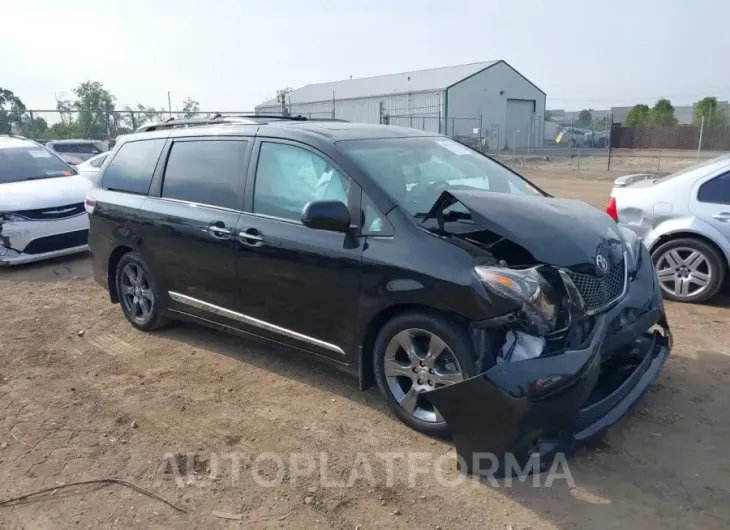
479, 95
421, 110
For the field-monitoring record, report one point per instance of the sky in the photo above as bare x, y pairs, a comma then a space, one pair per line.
231, 55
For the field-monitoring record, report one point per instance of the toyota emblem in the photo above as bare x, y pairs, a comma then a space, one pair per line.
601, 264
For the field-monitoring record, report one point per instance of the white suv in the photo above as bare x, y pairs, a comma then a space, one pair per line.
42, 212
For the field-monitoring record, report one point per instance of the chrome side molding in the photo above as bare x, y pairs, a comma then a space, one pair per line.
251, 321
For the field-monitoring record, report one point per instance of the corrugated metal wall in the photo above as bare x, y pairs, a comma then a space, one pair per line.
400, 108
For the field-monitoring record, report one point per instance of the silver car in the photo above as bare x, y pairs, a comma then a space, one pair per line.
684, 220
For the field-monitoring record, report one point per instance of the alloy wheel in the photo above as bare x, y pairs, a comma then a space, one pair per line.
683, 272
136, 292
417, 361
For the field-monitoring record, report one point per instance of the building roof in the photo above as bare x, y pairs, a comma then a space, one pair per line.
433, 79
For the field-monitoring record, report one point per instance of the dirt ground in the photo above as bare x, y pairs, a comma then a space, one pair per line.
85, 396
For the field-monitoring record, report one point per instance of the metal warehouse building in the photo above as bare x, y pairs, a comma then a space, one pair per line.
488, 99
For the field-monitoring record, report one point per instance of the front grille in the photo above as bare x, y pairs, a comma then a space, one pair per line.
598, 292
57, 242
49, 214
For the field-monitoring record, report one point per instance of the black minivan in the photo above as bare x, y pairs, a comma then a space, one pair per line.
479, 305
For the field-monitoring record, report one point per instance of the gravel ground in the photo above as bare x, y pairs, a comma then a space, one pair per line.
85, 396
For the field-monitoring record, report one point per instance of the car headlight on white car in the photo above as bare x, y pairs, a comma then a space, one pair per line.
528, 288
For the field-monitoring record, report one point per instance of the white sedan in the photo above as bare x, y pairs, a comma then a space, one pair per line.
42, 212
90, 168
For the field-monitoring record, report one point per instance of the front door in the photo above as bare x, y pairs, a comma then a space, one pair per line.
297, 285
190, 239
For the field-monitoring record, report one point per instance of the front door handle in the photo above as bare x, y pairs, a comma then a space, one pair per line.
251, 237
218, 230
722, 216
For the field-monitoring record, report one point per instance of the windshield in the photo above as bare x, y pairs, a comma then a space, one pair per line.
30, 163
415, 171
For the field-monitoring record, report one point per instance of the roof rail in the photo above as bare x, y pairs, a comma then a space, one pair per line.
230, 119
252, 115
172, 123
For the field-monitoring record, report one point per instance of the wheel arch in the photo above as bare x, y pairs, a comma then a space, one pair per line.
114, 258
375, 324
688, 234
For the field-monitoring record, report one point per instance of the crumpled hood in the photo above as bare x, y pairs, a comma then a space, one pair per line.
43, 193
559, 232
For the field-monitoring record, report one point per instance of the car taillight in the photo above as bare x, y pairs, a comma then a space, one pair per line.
90, 204
611, 209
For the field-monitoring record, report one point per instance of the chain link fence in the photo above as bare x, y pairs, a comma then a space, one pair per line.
587, 142
664, 149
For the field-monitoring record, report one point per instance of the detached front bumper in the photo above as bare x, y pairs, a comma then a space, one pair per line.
531, 410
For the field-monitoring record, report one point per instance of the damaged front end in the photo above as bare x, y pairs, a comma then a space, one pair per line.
578, 351
8, 233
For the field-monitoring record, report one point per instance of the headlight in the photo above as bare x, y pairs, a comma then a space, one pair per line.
633, 245
526, 287
11, 218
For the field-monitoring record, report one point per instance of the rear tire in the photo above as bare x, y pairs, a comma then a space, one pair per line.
455, 362
138, 294
687, 262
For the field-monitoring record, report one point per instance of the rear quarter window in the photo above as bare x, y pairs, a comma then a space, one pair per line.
716, 191
132, 167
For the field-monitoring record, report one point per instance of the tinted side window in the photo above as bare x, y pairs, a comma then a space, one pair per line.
288, 177
207, 172
132, 167
60, 148
716, 190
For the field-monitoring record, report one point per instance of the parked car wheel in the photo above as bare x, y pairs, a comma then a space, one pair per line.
138, 293
415, 353
689, 270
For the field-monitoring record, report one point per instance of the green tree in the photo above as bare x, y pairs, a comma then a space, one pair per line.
638, 115
11, 110
130, 118
67, 126
33, 128
95, 105
662, 113
707, 112
585, 118
191, 108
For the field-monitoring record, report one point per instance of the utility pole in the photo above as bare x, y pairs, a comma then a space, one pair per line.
281, 98
169, 104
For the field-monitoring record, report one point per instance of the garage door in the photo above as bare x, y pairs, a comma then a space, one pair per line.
519, 122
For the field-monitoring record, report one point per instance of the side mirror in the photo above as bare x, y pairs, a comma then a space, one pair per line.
326, 215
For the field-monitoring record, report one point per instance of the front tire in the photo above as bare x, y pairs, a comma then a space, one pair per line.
417, 352
689, 270
138, 294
